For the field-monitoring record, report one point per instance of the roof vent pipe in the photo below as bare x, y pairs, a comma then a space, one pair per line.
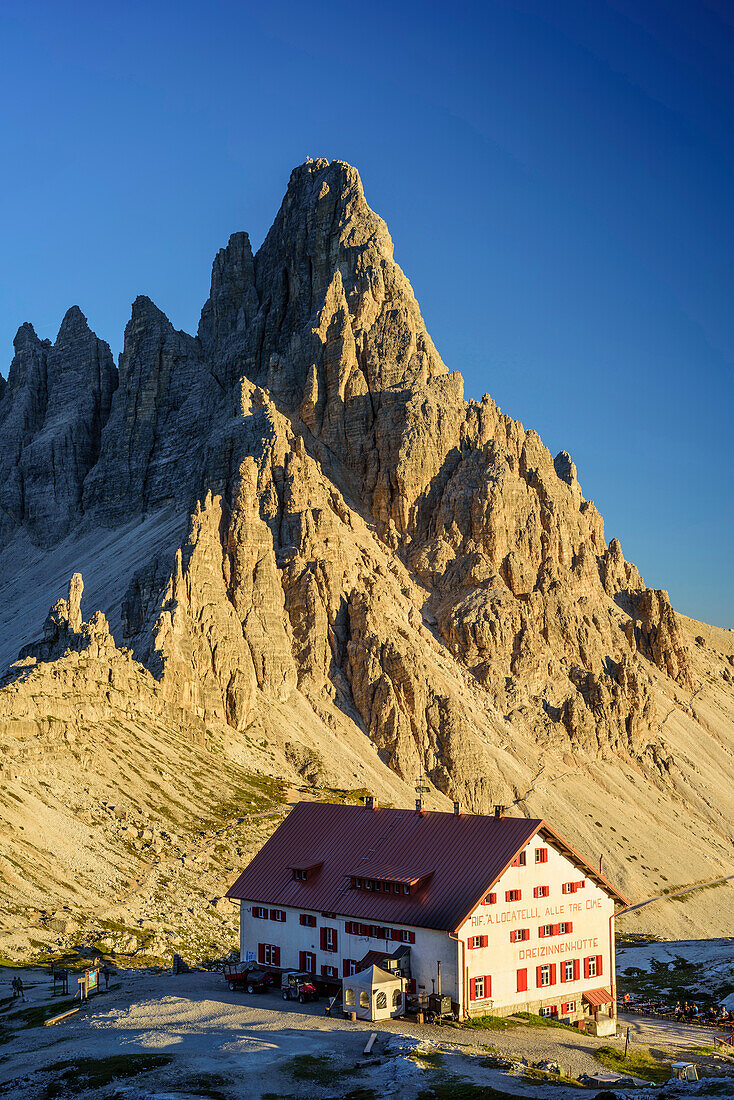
457, 811
371, 802
499, 811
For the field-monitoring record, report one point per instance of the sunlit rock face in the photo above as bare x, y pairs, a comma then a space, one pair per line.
347, 534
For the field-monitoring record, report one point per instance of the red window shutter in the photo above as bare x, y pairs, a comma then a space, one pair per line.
276, 956
472, 989
538, 976
261, 952
576, 970
301, 960
569, 926
335, 939
522, 980
541, 930
562, 974
323, 939
598, 966
553, 974
586, 968
487, 985
556, 929
411, 937
273, 914
485, 941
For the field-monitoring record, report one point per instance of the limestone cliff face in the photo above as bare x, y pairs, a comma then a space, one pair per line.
52, 414
361, 541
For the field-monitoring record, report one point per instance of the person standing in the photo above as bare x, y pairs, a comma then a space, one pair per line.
19, 986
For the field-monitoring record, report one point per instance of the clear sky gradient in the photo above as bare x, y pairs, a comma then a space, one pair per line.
556, 176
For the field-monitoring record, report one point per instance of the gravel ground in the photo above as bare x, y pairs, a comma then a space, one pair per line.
250, 1041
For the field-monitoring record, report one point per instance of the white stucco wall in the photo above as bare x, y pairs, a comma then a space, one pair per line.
292, 937
588, 910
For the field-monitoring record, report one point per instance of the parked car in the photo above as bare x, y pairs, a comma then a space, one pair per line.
296, 985
249, 977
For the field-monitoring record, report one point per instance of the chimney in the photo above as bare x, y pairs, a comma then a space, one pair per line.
419, 805
499, 811
457, 809
371, 802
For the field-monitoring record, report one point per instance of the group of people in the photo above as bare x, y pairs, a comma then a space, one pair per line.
18, 990
698, 1014
688, 1010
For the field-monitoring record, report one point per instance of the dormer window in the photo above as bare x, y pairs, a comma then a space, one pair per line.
302, 872
391, 881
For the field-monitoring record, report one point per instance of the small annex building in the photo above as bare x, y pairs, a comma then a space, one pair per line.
501, 913
373, 994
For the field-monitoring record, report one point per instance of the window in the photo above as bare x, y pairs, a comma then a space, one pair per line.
277, 914
381, 999
349, 967
260, 911
545, 930
522, 980
545, 975
300, 876
268, 954
565, 927
592, 966
404, 935
520, 861
377, 932
358, 883
568, 1007
480, 988
541, 855
329, 972
513, 895
490, 899
519, 934
308, 920
364, 999
568, 888
307, 961
348, 996
329, 916
580, 885
328, 939
549, 1010
396, 998
477, 941
541, 891
567, 971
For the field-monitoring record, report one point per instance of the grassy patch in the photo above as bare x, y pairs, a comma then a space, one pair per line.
639, 1063
96, 1073
460, 1088
316, 1069
33, 1016
489, 1023
428, 1059
545, 1021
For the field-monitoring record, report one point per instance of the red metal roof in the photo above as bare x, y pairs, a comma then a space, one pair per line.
597, 997
465, 854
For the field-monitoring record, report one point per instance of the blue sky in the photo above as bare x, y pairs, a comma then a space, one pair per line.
557, 178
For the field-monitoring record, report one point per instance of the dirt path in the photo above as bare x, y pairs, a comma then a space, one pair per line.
675, 893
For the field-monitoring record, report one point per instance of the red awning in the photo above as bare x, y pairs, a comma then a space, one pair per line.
598, 997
